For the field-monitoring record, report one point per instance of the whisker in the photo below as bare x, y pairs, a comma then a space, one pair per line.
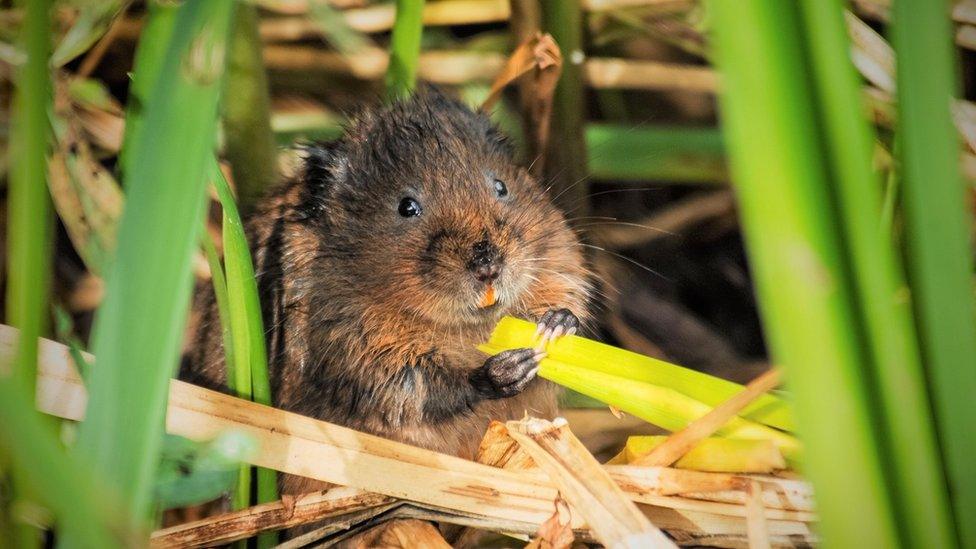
627, 259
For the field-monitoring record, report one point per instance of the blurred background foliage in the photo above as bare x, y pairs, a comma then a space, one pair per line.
637, 159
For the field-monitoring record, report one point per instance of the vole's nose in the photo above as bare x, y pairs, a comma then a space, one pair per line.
487, 272
484, 261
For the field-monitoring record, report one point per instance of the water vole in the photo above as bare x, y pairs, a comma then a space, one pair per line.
387, 260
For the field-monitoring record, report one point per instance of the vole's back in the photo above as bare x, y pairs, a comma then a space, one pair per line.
387, 260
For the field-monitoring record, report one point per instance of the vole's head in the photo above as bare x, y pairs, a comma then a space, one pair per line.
422, 207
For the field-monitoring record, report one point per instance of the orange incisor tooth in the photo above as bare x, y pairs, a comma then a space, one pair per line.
488, 299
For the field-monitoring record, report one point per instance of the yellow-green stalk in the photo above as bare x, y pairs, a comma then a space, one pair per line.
513, 333
717, 455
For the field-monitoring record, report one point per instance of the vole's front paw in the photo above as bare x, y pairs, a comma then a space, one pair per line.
507, 373
555, 324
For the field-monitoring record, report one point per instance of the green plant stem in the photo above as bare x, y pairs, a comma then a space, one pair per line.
665, 154
937, 238
150, 55
566, 151
881, 293
244, 301
219, 284
29, 210
139, 326
248, 141
242, 494
797, 258
82, 512
890, 199
249, 368
401, 75
29, 228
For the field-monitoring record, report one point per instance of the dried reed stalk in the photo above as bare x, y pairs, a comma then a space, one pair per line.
610, 73
966, 36
499, 449
608, 5
871, 54
684, 440
402, 534
756, 518
675, 218
276, 515
777, 493
536, 64
475, 495
460, 67
964, 11
614, 520
720, 508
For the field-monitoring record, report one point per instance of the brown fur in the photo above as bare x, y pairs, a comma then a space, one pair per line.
372, 318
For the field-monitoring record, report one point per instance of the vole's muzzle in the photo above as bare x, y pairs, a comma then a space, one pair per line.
485, 262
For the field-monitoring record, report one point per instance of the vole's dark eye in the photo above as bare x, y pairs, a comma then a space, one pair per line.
501, 191
409, 207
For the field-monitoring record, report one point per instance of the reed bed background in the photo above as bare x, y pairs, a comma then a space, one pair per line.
759, 182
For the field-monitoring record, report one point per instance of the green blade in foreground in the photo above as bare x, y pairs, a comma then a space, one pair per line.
250, 369
938, 239
150, 56
882, 296
63, 484
797, 256
514, 333
139, 327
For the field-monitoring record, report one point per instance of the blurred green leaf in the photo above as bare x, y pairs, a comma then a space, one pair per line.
938, 228
93, 20
888, 331
65, 330
157, 34
336, 31
91, 93
629, 153
249, 143
797, 255
247, 375
401, 74
191, 473
139, 326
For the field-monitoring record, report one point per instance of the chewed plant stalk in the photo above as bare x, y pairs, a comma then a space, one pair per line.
662, 406
769, 409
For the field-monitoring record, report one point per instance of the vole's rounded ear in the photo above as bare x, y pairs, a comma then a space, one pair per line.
498, 141
325, 165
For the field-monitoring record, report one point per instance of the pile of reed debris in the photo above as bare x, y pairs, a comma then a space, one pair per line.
533, 480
